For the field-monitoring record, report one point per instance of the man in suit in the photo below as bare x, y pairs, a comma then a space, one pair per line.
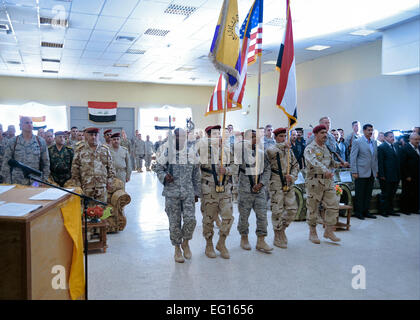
364, 168
409, 157
355, 125
388, 173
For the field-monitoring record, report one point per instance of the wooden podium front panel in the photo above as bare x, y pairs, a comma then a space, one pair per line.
30, 246
14, 272
51, 246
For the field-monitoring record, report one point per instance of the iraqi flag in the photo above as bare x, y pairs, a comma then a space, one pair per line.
286, 94
102, 111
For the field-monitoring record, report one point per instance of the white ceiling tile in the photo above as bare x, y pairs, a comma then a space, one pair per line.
74, 44
26, 15
78, 34
82, 21
118, 8
117, 47
100, 35
136, 25
109, 23
53, 53
87, 6
111, 55
92, 54
97, 46
146, 9
72, 53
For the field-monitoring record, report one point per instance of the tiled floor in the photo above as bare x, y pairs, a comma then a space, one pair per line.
139, 261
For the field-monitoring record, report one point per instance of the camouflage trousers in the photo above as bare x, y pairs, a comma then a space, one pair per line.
235, 182
139, 161
283, 206
214, 204
321, 191
148, 160
258, 202
177, 210
97, 193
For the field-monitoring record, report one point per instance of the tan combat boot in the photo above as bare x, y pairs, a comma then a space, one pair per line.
329, 234
186, 248
221, 247
209, 249
178, 255
245, 243
280, 239
313, 235
262, 245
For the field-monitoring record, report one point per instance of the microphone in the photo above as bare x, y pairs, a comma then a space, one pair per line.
26, 170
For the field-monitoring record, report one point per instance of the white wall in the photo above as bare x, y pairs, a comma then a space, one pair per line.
346, 86
20, 90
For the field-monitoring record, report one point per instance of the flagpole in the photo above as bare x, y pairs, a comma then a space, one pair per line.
286, 187
223, 128
258, 117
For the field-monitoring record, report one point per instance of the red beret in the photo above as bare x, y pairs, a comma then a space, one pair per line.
279, 130
92, 130
107, 131
212, 127
115, 135
319, 128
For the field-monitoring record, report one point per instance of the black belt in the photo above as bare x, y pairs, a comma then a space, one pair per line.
317, 175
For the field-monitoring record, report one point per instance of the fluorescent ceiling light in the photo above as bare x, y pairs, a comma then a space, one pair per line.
270, 62
317, 48
121, 65
362, 32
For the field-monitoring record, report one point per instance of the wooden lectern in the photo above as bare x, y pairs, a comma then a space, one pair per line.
31, 247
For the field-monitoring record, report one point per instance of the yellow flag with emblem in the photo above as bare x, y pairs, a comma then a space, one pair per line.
224, 51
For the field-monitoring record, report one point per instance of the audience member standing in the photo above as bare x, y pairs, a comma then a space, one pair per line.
61, 158
268, 137
11, 131
389, 174
3, 144
297, 148
29, 149
149, 152
364, 168
139, 152
354, 135
409, 157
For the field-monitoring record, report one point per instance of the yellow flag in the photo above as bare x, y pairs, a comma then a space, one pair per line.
224, 51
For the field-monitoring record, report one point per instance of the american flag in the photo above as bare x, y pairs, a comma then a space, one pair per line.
251, 36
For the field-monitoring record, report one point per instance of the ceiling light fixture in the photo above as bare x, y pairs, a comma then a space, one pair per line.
362, 32
270, 62
121, 65
317, 47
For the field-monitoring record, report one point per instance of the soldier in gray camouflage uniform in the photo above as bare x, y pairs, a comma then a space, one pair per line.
28, 149
179, 172
252, 195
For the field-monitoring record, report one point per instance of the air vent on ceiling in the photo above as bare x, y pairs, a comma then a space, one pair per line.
180, 10
50, 60
13, 62
156, 32
54, 22
4, 27
51, 45
97, 72
110, 75
277, 22
121, 65
135, 51
193, 78
165, 78
125, 38
185, 69
50, 71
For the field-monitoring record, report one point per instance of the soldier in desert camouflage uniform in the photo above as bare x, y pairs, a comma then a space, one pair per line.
139, 152
252, 193
283, 200
120, 158
92, 167
178, 170
61, 158
216, 195
29, 149
3, 144
320, 184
